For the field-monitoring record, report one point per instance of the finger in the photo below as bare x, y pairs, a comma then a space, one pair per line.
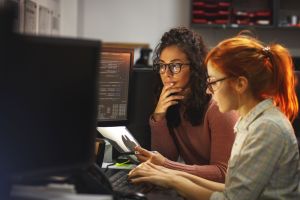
171, 91
138, 172
166, 87
142, 158
138, 180
143, 151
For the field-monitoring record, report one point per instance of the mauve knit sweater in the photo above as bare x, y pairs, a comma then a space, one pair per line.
204, 148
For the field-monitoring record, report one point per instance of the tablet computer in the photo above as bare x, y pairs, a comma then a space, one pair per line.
121, 139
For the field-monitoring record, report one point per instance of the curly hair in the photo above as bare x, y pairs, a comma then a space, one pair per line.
196, 102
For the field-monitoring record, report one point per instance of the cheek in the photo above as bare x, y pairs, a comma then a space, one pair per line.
183, 80
225, 100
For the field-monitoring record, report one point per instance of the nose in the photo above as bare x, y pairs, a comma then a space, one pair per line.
208, 91
168, 72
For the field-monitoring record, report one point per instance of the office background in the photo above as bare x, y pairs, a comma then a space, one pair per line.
144, 21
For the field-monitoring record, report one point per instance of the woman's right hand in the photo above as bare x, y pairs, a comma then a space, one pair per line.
144, 155
166, 100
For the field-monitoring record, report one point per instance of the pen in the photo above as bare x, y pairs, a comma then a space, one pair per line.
134, 153
129, 153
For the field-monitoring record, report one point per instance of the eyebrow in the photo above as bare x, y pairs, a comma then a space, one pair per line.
174, 60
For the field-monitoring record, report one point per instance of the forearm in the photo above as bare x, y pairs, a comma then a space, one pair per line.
162, 141
211, 172
188, 189
211, 185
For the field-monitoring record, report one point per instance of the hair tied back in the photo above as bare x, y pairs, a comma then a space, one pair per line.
266, 51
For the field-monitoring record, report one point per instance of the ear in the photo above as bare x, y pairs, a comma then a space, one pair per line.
241, 84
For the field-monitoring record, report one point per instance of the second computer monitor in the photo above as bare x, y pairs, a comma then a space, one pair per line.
114, 86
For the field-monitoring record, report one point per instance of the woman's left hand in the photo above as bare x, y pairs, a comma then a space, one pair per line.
151, 173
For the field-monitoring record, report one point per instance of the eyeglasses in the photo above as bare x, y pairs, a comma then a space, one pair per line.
214, 85
174, 68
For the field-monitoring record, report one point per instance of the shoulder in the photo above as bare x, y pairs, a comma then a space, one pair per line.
272, 125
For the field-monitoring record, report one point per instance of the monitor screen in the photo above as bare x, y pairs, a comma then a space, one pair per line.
296, 61
114, 83
48, 104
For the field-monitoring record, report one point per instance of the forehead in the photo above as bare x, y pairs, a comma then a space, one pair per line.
213, 71
171, 53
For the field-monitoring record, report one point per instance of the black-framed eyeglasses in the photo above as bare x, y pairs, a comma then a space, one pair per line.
212, 86
174, 68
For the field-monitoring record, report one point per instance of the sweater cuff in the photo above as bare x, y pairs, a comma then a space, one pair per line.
176, 165
162, 122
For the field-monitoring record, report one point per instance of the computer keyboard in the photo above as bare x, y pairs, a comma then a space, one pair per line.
120, 183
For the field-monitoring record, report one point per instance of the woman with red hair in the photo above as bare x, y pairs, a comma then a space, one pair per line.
258, 82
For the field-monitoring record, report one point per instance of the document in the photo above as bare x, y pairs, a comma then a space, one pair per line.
121, 139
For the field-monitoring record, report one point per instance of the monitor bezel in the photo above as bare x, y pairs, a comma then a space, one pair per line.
125, 122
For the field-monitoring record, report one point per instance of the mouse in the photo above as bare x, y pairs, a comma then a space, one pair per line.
136, 195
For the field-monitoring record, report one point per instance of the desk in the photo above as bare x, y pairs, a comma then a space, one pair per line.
52, 192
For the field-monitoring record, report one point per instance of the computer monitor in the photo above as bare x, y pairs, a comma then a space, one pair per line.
296, 61
142, 104
114, 86
48, 105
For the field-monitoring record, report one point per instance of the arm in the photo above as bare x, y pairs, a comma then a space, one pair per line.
219, 129
160, 135
211, 185
161, 140
187, 185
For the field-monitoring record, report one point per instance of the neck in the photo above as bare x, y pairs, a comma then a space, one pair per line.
246, 104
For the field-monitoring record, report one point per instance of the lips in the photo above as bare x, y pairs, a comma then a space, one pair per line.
169, 83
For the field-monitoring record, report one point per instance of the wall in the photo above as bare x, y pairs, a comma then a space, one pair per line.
137, 21
145, 21
69, 18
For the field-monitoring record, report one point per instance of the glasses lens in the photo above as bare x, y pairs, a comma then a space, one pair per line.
158, 67
162, 68
175, 67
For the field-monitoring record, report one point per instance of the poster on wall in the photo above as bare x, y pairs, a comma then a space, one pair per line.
44, 25
30, 17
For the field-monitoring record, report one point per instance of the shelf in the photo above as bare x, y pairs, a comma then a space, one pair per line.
246, 11
232, 26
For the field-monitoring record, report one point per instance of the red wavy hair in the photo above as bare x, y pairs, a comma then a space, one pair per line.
270, 71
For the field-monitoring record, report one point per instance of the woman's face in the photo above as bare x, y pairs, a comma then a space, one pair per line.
173, 54
219, 87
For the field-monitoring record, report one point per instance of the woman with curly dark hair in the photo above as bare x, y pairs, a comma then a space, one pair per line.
186, 123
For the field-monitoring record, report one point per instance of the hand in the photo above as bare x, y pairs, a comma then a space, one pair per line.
153, 157
128, 143
151, 173
167, 98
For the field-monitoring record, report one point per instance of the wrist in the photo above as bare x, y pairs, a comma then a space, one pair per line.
158, 116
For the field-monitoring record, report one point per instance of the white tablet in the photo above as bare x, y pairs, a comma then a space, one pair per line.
121, 139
